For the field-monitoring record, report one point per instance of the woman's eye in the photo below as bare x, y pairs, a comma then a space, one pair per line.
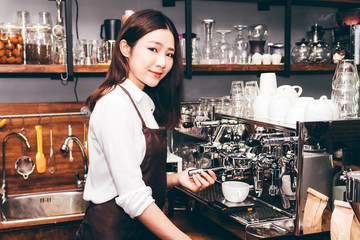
170, 55
153, 49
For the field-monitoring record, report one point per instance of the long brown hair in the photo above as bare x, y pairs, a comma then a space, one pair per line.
166, 95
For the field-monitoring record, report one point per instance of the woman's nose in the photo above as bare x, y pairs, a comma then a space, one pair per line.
161, 60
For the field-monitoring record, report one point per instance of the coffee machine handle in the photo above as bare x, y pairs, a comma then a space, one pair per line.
101, 31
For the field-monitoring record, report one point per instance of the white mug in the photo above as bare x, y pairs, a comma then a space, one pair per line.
266, 59
289, 91
276, 58
256, 58
278, 107
319, 110
268, 83
261, 106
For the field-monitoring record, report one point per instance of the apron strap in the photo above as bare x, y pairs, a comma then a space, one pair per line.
137, 110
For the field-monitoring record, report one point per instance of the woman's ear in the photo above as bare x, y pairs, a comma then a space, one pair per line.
124, 48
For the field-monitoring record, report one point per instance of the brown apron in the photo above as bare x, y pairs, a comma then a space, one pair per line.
108, 221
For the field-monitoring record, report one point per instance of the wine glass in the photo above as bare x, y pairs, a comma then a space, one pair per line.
208, 53
223, 49
241, 46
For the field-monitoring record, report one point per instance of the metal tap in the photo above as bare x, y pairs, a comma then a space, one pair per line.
65, 149
3, 191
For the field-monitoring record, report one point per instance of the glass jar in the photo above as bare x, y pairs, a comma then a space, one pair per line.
301, 52
11, 44
39, 44
320, 53
257, 35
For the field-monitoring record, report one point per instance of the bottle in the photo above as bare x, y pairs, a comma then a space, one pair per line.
339, 53
339, 180
127, 14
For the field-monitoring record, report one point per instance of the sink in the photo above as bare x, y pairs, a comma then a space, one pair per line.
49, 204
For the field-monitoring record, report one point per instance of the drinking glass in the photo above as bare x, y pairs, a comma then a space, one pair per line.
251, 91
60, 51
345, 88
79, 52
208, 56
223, 49
237, 87
241, 46
237, 98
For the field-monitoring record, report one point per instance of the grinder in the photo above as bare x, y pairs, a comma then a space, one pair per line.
353, 191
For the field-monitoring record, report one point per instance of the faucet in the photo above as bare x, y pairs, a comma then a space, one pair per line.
3, 192
65, 149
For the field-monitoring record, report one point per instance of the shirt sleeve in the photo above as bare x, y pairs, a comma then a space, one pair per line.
119, 133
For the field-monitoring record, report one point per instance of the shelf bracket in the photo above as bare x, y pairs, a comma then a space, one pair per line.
168, 3
287, 40
69, 45
188, 31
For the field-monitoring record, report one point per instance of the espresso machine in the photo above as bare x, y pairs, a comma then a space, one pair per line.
111, 28
279, 163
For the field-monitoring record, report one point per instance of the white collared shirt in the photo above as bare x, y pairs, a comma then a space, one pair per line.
117, 148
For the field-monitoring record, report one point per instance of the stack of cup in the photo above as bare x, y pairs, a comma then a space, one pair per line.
345, 89
251, 92
237, 98
268, 86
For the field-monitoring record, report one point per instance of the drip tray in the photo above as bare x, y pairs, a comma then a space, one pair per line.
249, 212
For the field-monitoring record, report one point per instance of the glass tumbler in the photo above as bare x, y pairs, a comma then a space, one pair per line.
345, 89
251, 91
241, 46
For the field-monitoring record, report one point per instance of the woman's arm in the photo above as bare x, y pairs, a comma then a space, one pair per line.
157, 222
195, 183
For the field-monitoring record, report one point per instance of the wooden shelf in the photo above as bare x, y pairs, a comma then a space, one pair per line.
312, 67
52, 68
103, 68
21, 68
235, 67
99, 68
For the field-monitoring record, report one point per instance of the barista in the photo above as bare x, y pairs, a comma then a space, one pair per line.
132, 109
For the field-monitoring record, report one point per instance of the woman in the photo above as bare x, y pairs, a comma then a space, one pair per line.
131, 111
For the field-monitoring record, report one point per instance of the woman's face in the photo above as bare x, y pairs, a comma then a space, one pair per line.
151, 58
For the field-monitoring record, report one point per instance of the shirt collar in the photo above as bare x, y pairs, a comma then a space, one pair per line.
137, 94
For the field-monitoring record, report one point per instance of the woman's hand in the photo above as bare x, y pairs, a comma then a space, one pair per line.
196, 182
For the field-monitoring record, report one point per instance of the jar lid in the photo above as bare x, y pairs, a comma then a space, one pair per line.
11, 26
302, 42
39, 27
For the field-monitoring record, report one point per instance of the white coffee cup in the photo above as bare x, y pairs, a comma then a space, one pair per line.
286, 186
303, 101
319, 110
276, 58
256, 58
261, 106
235, 191
268, 83
295, 114
278, 107
266, 59
289, 91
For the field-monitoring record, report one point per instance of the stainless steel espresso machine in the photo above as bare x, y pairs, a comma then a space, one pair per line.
279, 162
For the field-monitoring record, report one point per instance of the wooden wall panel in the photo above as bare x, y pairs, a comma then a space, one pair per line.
64, 176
